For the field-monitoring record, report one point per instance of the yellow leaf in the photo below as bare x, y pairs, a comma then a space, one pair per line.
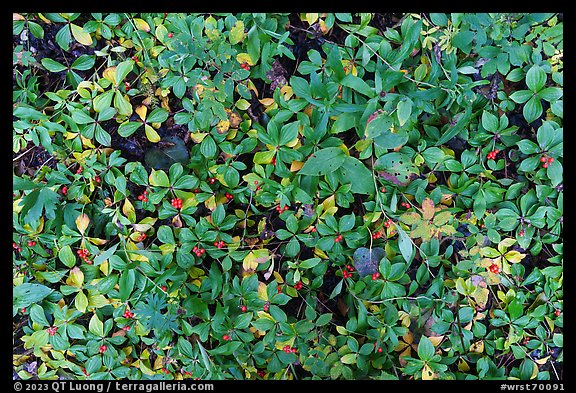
105, 268
514, 256
292, 144
110, 74
222, 126
129, 211
267, 101
427, 373
141, 24
198, 137
463, 366
542, 361
262, 293
141, 110
446, 199
80, 35
477, 347
245, 58
436, 340
296, 166
82, 222
75, 278
158, 363
311, 17
342, 330
151, 134
254, 258
427, 209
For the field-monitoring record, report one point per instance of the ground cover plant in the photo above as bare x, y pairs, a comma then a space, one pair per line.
287, 196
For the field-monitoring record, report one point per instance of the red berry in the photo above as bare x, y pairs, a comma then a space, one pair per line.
273, 160
23, 310
243, 308
164, 288
144, 199
558, 312
543, 159
380, 350
545, 165
496, 151
225, 337
140, 197
170, 35
52, 330
521, 232
551, 159
64, 190
14, 245
279, 289
145, 192
31, 243
97, 179
103, 348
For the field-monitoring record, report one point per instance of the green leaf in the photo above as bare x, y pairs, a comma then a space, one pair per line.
349, 358
489, 121
324, 161
532, 109
95, 326
404, 110
535, 78
358, 84
53, 65
521, 96
159, 178
83, 63
37, 315
463, 121
26, 294
550, 93
66, 256
158, 115
81, 117
425, 349
355, 173
122, 70
237, 33
405, 245
128, 128
122, 103
126, 284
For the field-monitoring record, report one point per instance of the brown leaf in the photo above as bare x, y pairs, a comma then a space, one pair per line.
427, 209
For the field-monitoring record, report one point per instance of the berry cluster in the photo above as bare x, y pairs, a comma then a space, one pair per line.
135, 58
266, 305
405, 204
281, 209
258, 187
198, 251
261, 373
338, 238
546, 161
141, 238
246, 66
128, 314
102, 349
377, 235
126, 328
212, 180
492, 155
229, 196
52, 330
243, 308
177, 203
83, 253
79, 170
375, 276
31, 243
64, 190
97, 179
220, 244
388, 223
143, 197
494, 268
348, 272
16, 247
298, 285
289, 349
